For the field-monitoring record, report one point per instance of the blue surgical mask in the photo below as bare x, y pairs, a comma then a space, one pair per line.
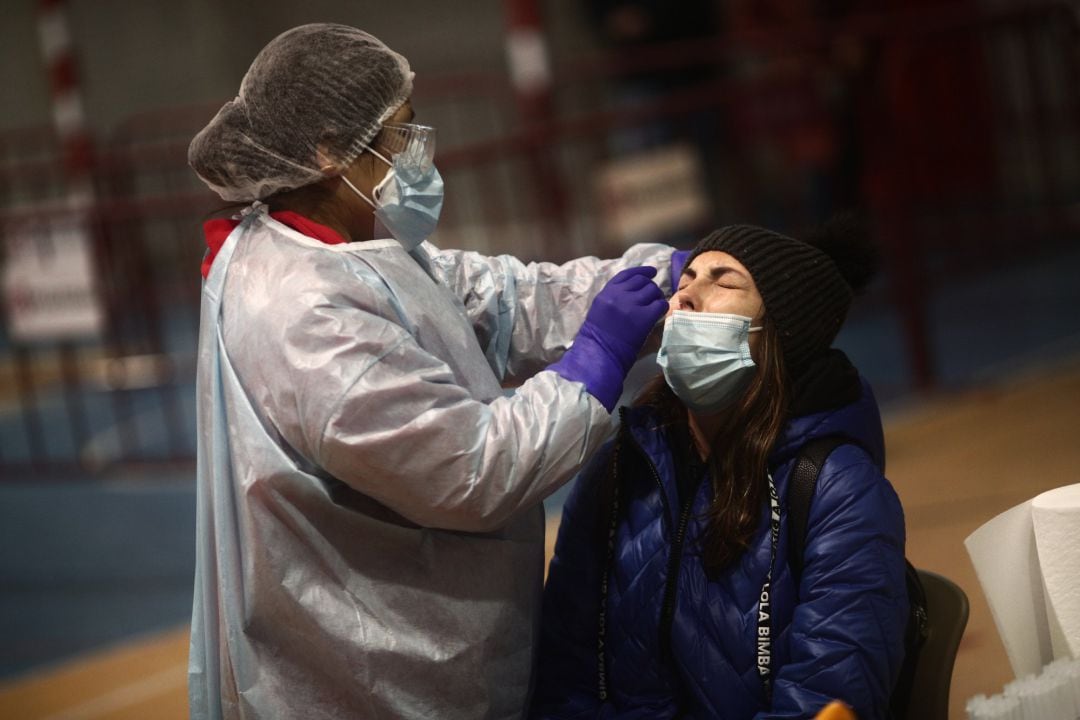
706, 358
409, 202
409, 199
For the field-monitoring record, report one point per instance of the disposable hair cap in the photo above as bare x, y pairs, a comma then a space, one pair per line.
311, 101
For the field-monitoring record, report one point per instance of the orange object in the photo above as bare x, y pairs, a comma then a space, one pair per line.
835, 710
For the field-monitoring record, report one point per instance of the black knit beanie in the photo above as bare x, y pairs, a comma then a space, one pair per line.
804, 291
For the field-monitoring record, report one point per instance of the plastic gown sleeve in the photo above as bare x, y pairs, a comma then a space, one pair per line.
854, 560
526, 315
388, 418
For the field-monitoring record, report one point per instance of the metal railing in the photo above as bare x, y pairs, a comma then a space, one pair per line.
761, 113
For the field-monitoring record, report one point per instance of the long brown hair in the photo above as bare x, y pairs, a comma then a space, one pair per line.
738, 459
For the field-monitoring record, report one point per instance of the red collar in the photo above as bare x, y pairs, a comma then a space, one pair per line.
218, 230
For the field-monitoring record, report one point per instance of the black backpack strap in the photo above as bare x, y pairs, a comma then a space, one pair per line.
800, 493
915, 633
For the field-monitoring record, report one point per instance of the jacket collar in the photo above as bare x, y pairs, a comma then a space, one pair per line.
217, 231
859, 420
856, 417
645, 429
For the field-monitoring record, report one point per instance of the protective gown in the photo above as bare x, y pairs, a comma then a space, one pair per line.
370, 532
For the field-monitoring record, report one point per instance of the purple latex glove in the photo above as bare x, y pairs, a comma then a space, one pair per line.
678, 262
620, 318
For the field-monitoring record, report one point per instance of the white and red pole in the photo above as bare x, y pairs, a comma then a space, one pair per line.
527, 58
530, 72
69, 118
71, 254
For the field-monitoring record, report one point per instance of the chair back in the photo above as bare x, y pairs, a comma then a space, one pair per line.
947, 610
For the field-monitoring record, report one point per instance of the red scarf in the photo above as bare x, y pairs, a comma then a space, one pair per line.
217, 231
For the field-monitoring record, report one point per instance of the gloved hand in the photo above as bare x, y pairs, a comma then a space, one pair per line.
678, 262
620, 318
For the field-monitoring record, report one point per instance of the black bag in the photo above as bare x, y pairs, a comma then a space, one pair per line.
799, 495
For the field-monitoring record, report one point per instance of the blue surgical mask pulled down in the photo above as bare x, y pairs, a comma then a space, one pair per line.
409, 199
706, 358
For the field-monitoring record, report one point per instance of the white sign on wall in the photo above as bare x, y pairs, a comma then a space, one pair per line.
651, 194
49, 282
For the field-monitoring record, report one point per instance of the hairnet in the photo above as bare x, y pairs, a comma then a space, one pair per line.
312, 99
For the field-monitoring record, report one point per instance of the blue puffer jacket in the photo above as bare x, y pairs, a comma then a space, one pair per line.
839, 634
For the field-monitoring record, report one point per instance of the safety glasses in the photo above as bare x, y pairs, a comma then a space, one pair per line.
417, 142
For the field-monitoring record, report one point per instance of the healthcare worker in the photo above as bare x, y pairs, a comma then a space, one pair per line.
370, 528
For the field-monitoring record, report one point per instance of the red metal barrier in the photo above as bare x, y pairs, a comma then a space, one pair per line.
761, 97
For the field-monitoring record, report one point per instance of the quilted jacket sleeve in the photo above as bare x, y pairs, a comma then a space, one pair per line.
567, 674
846, 635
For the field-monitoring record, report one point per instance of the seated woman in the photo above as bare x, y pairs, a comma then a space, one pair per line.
670, 593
